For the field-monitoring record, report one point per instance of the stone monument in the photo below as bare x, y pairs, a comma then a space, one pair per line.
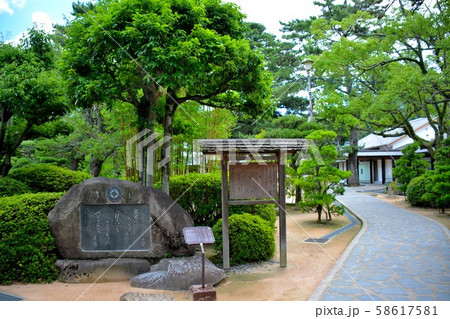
104, 219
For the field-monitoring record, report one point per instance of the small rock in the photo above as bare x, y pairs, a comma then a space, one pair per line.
136, 296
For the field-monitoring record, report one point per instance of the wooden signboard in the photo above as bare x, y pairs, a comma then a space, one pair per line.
253, 181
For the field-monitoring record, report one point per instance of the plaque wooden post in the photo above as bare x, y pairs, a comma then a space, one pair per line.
200, 235
225, 231
282, 206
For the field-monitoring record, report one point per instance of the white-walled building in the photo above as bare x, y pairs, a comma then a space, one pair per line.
377, 154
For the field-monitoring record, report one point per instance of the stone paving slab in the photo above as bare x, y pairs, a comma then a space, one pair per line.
398, 255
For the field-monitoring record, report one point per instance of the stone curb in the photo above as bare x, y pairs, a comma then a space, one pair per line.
320, 290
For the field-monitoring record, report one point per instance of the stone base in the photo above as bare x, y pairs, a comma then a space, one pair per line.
197, 293
88, 271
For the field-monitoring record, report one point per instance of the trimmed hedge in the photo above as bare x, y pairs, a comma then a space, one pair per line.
48, 178
252, 239
10, 187
27, 249
200, 196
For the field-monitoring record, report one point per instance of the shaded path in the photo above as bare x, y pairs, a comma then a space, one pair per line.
398, 255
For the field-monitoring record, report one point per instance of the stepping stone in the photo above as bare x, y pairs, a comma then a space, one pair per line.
136, 296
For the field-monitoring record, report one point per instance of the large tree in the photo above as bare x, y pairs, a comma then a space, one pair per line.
397, 65
314, 37
31, 92
282, 61
139, 51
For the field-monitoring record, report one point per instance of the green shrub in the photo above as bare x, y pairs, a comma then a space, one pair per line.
27, 249
251, 239
201, 199
10, 187
409, 165
48, 178
200, 196
416, 189
438, 189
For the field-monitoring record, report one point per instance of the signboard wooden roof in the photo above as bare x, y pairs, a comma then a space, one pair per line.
215, 146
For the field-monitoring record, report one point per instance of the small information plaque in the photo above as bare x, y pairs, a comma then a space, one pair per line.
198, 235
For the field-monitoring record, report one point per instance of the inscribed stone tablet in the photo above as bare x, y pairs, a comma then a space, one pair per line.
253, 181
115, 227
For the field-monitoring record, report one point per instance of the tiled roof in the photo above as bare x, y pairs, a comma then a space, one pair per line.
377, 141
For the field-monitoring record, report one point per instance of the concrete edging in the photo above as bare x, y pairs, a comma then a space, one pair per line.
320, 290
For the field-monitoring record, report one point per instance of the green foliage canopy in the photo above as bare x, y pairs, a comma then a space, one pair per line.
31, 92
138, 50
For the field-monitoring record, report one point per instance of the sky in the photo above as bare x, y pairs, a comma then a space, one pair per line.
16, 16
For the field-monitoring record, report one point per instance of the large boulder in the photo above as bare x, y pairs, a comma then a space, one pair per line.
111, 218
178, 274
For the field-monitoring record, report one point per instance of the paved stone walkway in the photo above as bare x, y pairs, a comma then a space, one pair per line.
397, 255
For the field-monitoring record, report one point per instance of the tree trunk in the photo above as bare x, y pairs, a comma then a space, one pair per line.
74, 162
319, 213
96, 166
4, 118
353, 158
5, 166
93, 118
298, 197
147, 118
171, 107
328, 213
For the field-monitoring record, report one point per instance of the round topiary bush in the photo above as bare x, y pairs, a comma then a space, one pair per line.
266, 212
48, 178
416, 189
27, 249
10, 187
251, 239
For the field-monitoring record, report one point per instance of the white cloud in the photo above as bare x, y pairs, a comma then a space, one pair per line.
4, 7
18, 3
16, 40
42, 21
